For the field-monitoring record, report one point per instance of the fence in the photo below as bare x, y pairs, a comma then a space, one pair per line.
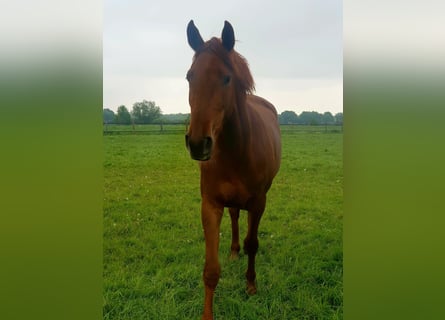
110, 129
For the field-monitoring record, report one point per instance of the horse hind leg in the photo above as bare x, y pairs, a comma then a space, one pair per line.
251, 245
235, 247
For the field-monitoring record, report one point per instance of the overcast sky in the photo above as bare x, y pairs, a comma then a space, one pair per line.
294, 49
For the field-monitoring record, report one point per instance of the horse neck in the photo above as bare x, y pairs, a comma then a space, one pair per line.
236, 130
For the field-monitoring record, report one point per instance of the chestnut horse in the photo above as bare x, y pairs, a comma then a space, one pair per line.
235, 136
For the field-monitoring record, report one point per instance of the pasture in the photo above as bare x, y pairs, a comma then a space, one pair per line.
154, 244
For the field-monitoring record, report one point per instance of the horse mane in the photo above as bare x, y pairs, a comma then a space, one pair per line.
234, 61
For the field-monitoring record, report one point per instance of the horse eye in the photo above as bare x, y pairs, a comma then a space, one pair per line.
226, 80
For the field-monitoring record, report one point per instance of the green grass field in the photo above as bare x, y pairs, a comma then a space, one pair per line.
154, 244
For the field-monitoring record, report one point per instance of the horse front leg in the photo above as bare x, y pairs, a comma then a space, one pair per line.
235, 247
211, 215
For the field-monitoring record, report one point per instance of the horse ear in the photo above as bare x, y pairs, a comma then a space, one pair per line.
228, 36
193, 37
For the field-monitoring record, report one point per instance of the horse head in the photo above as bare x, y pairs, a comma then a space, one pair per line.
211, 89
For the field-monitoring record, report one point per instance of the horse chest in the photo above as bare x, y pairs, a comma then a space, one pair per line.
228, 190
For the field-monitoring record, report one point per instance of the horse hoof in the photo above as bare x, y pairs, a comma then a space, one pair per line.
234, 256
251, 290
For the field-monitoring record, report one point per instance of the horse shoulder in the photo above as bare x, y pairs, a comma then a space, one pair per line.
265, 130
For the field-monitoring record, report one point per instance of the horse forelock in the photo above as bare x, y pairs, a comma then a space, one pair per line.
236, 63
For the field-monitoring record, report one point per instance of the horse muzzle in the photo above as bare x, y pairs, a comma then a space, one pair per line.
199, 150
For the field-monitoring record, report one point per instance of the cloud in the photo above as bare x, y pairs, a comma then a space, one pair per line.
146, 51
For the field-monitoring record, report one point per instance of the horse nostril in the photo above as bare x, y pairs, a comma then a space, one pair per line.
199, 150
207, 143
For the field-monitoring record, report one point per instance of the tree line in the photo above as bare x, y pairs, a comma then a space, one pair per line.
144, 112
310, 118
147, 112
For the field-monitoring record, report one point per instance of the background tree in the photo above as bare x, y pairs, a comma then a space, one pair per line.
339, 118
175, 118
108, 116
123, 115
328, 118
136, 113
288, 117
145, 112
310, 118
